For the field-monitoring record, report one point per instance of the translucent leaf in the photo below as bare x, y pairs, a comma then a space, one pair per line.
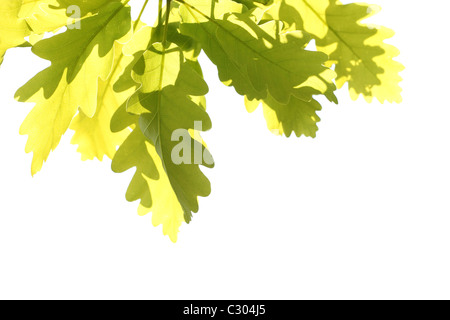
163, 118
216, 9
150, 184
79, 57
13, 29
161, 68
362, 58
93, 135
167, 188
297, 116
50, 15
43, 15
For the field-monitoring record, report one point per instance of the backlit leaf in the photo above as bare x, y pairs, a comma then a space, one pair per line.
13, 29
79, 57
93, 135
258, 60
135, 92
362, 58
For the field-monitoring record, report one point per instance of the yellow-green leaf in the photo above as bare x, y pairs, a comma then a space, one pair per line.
13, 29
93, 135
175, 102
79, 57
362, 58
150, 183
297, 116
257, 59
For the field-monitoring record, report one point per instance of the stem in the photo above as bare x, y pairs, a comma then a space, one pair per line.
140, 14
166, 23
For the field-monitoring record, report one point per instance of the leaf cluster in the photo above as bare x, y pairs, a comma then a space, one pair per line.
124, 87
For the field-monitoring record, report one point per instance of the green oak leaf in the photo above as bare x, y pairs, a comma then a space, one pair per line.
93, 135
79, 58
135, 93
175, 101
258, 60
297, 116
362, 58
13, 28
159, 118
158, 126
50, 15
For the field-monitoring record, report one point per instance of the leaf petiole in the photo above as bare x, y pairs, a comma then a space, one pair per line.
140, 15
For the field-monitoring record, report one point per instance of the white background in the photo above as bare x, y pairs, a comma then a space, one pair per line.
360, 212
